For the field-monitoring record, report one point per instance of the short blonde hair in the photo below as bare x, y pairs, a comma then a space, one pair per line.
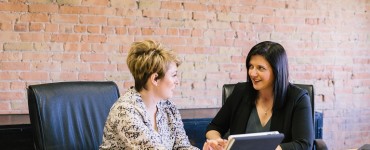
148, 57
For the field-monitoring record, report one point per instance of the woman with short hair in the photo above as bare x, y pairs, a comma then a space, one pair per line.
144, 118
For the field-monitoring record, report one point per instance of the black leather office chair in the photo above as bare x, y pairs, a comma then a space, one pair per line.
70, 115
319, 144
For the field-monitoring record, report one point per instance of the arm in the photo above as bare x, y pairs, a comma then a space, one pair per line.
181, 139
302, 125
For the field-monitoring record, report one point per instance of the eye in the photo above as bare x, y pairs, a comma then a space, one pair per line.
261, 68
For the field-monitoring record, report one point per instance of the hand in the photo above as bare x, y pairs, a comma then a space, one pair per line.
278, 148
218, 144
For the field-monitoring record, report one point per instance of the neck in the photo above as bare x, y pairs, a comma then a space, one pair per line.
149, 99
266, 96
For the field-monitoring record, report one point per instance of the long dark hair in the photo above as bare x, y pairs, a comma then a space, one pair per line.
276, 56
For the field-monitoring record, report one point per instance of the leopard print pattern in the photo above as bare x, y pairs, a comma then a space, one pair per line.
128, 126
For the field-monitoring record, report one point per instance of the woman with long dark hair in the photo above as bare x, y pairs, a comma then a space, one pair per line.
266, 102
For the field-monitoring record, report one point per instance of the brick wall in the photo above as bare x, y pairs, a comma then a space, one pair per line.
328, 43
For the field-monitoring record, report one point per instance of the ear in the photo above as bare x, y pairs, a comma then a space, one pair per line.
154, 79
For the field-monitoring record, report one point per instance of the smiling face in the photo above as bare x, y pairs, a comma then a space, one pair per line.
261, 73
167, 84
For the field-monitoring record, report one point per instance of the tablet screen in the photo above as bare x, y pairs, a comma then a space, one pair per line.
260, 141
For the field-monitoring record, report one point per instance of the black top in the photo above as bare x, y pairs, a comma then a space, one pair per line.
294, 119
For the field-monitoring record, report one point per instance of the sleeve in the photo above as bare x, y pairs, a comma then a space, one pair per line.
181, 139
302, 126
221, 122
132, 129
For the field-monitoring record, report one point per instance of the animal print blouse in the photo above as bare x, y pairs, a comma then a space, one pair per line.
128, 126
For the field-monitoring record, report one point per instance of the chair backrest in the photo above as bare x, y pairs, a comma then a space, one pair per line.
227, 89
70, 115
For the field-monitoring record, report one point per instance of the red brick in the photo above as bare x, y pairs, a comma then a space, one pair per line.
103, 67
4, 86
102, 11
73, 9
149, 4
34, 76
108, 30
204, 16
65, 57
23, 46
171, 5
94, 39
70, 47
263, 28
174, 40
11, 95
65, 38
32, 56
105, 48
32, 37
21, 27
35, 17
154, 14
178, 15
50, 8
185, 32
91, 76
9, 37
93, 29
171, 23
18, 85
93, 57
13, 7
19, 105
10, 56
69, 2
41, 46
120, 21
75, 66
80, 29
64, 76
228, 17
6, 26
37, 27
102, 20
128, 12
121, 30
95, 2
46, 66
121, 39
194, 6
123, 4
9, 75
64, 18
51, 27
40, 1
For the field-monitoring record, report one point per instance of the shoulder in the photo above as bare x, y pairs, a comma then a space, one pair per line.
128, 103
294, 90
296, 93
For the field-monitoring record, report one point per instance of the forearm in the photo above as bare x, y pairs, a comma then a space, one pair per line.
213, 135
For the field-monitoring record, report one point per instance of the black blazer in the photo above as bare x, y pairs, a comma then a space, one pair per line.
294, 119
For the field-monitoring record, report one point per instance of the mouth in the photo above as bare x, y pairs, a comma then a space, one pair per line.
256, 81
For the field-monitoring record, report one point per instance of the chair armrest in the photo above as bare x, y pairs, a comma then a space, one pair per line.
320, 144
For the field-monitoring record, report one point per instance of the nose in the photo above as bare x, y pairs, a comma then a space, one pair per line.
252, 72
177, 81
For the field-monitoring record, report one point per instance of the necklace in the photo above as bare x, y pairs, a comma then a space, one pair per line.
265, 110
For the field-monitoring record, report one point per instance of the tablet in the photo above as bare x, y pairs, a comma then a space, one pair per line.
260, 141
